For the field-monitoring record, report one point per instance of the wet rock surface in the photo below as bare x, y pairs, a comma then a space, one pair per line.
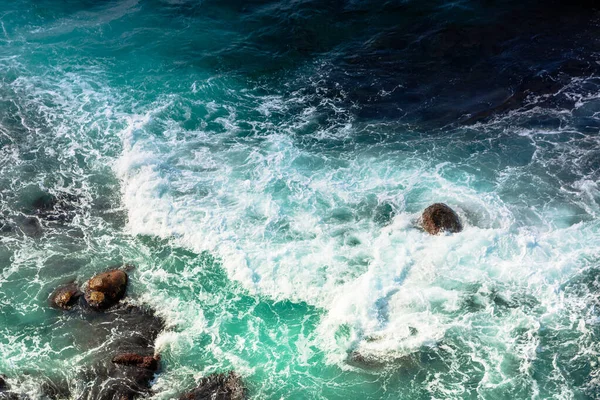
106, 289
65, 297
439, 218
125, 333
133, 359
218, 387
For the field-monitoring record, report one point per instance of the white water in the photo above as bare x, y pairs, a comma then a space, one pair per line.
288, 222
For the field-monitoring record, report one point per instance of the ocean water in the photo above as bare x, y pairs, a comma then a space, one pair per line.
263, 164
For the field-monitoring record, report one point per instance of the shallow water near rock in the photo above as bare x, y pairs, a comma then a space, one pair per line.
264, 165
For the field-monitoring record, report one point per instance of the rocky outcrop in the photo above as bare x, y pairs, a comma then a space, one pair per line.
439, 218
106, 289
65, 297
127, 364
218, 387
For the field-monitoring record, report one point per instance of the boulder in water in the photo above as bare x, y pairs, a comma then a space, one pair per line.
438, 218
106, 289
65, 297
218, 387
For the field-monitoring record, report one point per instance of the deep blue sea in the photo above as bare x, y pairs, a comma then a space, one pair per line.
263, 165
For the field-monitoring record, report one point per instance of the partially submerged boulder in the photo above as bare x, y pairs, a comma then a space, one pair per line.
65, 297
218, 387
106, 289
438, 218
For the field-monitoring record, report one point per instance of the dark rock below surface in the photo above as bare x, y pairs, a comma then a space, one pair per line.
5, 394
65, 297
127, 335
106, 289
55, 208
47, 390
218, 387
438, 218
30, 226
360, 360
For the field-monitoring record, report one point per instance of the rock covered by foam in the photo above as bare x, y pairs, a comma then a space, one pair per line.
60, 208
439, 218
3, 384
218, 387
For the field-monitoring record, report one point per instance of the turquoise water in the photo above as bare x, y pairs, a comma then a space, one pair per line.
264, 164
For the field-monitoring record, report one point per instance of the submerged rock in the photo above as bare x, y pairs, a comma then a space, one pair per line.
65, 297
47, 389
54, 208
218, 387
126, 365
3, 384
360, 360
438, 218
31, 226
124, 334
384, 213
106, 289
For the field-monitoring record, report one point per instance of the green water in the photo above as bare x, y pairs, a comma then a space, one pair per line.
271, 214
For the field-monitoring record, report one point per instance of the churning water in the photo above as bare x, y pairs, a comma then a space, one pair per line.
263, 165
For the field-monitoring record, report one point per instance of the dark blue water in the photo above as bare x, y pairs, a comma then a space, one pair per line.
263, 165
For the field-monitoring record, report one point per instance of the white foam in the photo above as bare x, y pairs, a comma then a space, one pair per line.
286, 223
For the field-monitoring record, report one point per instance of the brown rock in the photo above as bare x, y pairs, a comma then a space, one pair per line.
133, 359
106, 289
438, 218
65, 297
